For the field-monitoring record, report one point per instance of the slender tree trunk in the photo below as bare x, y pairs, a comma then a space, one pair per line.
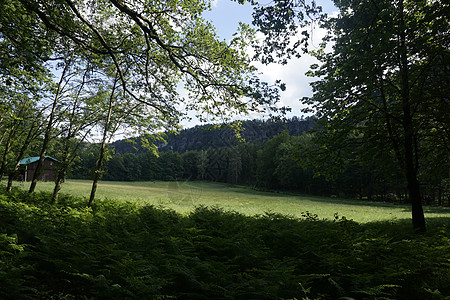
67, 152
101, 157
58, 182
97, 175
48, 131
13, 174
32, 133
60, 176
4, 158
8, 143
38, 171
62, 169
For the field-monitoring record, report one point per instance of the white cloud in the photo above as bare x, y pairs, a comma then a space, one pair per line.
293, 75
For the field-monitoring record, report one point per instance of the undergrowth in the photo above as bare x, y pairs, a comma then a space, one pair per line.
123, 251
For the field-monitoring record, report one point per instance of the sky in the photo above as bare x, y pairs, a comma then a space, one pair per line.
226, 15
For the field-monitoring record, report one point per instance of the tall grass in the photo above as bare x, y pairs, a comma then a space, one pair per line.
184, 197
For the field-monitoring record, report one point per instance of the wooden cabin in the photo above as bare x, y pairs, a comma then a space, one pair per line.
29, 164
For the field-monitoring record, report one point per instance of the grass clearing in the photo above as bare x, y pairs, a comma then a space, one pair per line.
184, 197
120, 250
124, 249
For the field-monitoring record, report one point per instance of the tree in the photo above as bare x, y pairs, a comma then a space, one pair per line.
155, 45
32, 129
77, 121
150, 167
248, 164
382, 83
49, 129
107, 101
152, 47
20, 123
171, 166
234, 164
190, 164
376, 81
22, 79
266, 164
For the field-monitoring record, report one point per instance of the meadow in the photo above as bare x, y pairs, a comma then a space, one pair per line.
184, 197
169, 240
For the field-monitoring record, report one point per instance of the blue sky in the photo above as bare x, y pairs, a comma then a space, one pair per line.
226, 15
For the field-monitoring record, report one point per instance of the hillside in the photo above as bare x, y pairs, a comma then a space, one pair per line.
203, 137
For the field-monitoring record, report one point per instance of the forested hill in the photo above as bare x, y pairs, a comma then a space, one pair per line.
202, 137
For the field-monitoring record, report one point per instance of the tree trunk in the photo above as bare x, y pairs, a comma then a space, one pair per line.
4, 159
68, 152
97, 177
7, 149
58, 182
48, 131
38, 171
418, 218
99, 170
13, 174
61, 175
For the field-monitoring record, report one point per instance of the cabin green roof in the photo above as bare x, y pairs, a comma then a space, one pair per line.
30, 160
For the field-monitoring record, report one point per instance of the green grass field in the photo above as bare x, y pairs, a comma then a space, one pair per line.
183, 197
119, 249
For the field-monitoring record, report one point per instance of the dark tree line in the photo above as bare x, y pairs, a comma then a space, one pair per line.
282, 163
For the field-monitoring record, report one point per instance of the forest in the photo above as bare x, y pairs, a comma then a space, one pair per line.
100, 90
71, 86
269, 159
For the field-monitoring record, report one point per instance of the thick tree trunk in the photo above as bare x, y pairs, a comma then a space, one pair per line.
418, 218
410, 164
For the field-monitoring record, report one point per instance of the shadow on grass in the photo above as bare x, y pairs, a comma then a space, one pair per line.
341, 201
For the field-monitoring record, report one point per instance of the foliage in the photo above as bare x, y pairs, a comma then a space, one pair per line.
203, 137
379, 87
121, 251
121, 66
184, 196
284, 162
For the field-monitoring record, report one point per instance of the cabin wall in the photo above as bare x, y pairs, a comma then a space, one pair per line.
49, 173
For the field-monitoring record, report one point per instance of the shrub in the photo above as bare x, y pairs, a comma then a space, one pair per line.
119, 250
